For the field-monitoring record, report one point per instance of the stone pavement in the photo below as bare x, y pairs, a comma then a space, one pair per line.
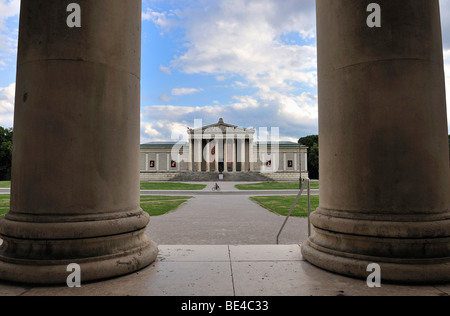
223, 219
225, 246
228, 270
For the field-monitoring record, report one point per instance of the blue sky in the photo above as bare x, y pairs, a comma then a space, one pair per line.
252, 62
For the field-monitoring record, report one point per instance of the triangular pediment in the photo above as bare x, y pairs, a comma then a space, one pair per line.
222, 127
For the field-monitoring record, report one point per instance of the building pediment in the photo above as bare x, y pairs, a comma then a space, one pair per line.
221, 128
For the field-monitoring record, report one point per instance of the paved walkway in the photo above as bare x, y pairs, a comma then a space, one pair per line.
227, 270
223, 219
223, 245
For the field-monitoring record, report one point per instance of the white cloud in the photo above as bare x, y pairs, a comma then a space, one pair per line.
293, 115
165, 70
185, 91
221, 78
158, 18
8, 37
244, 37
7, 105
266, 46
164, 98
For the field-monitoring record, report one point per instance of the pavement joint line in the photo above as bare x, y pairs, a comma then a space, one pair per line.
231, 270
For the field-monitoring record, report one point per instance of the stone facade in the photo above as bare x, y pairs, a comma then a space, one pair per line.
223, 148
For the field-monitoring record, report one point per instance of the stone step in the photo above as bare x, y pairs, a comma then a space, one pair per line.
214, 176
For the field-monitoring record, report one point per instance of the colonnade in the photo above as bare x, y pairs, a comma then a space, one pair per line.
384, 163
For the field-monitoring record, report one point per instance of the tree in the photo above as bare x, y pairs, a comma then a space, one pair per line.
6, 137
312, 142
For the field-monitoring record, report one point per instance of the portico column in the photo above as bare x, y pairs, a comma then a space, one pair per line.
241, 142
208, 156
191, 154
384, 162
234, 155
198, 154
75, 178
216, 155
225, 155
251, 154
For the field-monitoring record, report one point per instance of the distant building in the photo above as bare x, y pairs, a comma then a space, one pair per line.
223, 149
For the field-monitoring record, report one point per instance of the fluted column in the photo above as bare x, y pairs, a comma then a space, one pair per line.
384, 163
208, 155
216, 155
75, 179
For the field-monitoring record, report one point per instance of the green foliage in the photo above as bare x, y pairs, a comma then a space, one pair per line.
6, 138
312, 142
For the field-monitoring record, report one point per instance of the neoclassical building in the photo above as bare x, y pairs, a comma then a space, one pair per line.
223, 150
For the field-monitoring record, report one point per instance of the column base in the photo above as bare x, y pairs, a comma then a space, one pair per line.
421, 272
44, 261
411, 249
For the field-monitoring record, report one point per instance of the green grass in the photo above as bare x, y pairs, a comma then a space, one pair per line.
5, 184
282, 204
171, 186
274, 186
159, 205
153, 205
4, 204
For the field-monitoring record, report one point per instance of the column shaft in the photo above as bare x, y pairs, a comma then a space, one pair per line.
251, 155
208, 156
225, 155
75, 179
234, 155
191, 154
216, 155
384, 170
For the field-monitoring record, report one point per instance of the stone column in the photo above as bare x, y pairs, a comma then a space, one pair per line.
251, 155
191, 154
296, 160
234, 154
384, 162
305, 161
157, 162
75, 181
198, 154
216, 155
241, 143
208, 156
225, 155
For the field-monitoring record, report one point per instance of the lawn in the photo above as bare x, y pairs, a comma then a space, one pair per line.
171, 186
159, 205
282, 204
148, 186
4, 204
5, 184
274, 186
153, 205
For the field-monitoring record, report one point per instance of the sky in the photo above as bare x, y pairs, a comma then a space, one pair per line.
251, 62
